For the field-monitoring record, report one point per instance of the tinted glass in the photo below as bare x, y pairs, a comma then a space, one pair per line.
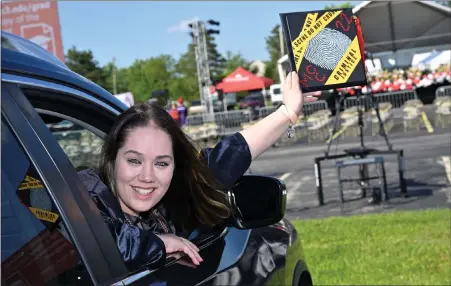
36, 249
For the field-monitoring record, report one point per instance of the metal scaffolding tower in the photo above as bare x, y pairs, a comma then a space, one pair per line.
202, 63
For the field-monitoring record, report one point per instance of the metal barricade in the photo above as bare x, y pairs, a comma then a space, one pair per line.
230, 122
310, 108
195, 120
354, 101
317, 119
397, 98
442, 105
443, 91
265, 111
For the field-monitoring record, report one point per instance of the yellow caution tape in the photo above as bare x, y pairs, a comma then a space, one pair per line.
44, 215
427, 123
347, 64
309, 30
30, 183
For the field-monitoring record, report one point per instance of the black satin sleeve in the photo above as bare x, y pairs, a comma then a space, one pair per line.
229, 159
139, 248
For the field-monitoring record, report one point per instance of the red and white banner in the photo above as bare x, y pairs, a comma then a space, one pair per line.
36, 21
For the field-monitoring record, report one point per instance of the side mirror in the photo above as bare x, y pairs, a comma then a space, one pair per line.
257, 201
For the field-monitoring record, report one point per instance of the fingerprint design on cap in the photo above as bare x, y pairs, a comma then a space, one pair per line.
327, 48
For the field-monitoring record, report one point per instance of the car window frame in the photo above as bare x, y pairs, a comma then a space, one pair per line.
82, 219
24, 81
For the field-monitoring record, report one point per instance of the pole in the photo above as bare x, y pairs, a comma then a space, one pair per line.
114, 76
206, 70
281, 41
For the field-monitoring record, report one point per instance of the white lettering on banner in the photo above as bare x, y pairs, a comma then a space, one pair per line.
236, 78
24, 8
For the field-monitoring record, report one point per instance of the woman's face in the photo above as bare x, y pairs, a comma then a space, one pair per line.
143, 169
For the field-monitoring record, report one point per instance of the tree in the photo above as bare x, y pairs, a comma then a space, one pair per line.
121, 78
185, 82
340, 6
444, 2
146, 76
233, 61
273, 48
83, 63
215, 58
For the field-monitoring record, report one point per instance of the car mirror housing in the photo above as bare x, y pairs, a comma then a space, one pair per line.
257, 201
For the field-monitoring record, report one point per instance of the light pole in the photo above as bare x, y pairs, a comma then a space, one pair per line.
114, 76
199, 36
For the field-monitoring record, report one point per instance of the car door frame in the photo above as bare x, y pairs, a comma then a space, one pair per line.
83, 221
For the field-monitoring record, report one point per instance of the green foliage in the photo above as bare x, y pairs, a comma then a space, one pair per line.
339, 6
146, 76
178, 76
234, 61
273, 48
83, 63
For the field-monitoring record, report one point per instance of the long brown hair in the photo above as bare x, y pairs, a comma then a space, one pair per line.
194, 196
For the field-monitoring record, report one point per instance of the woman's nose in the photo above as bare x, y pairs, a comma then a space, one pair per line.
146, 174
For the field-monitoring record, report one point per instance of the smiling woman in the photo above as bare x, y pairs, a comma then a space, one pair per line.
153, 188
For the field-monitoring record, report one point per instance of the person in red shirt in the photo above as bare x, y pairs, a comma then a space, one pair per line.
175, 113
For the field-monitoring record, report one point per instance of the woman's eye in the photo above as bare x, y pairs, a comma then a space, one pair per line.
162, 164
134, 161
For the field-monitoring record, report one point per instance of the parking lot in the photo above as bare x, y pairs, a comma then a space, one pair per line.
427, 174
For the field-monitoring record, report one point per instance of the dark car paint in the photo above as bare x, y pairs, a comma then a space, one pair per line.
242, 257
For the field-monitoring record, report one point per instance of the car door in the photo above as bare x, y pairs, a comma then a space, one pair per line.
221, 248
47, 222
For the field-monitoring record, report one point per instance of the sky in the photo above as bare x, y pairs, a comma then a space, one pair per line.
131, 30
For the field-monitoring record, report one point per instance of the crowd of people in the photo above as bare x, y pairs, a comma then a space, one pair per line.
398, 80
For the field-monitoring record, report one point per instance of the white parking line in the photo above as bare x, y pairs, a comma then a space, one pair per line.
446, 161
293, 191
284, 176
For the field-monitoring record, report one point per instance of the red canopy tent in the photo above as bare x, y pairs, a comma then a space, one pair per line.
243, 80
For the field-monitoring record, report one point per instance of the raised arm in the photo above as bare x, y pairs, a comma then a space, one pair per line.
233, 155
265, 133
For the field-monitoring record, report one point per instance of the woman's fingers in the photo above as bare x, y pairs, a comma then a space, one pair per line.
189, 243
294, 80
288, 81
194, 255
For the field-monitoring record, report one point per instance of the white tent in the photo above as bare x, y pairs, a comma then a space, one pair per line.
400, 25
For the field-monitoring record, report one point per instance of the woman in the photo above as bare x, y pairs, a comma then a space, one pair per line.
152, 188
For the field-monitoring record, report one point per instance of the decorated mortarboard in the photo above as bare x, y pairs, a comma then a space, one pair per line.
325, 48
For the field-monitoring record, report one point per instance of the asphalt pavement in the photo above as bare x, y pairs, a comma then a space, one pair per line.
427, 173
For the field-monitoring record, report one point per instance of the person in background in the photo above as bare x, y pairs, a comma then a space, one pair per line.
175, 113
182, 110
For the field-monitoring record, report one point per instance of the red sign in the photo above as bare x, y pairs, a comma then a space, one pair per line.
36, 21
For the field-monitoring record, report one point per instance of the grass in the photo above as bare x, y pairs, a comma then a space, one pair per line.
398, 248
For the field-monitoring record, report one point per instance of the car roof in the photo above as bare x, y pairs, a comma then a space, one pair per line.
23, 57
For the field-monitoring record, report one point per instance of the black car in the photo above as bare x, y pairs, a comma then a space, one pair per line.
52, 232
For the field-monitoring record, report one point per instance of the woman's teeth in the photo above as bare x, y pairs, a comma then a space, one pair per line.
143, 191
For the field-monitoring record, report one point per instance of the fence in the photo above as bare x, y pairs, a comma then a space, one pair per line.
442, 105
401, 111
397, 99
443, 91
